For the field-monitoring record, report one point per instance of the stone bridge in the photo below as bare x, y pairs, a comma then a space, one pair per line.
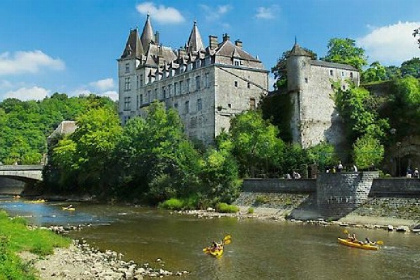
25, 173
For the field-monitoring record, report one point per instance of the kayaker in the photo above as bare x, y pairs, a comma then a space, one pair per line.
215, 246
352, 237
369, 242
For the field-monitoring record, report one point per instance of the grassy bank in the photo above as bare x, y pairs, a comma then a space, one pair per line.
16, 237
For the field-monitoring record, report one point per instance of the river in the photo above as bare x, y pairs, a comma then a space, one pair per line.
259, 249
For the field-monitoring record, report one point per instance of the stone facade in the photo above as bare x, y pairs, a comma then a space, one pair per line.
207, 86
310, 84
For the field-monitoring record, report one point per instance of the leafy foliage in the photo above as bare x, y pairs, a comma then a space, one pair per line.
368, 151
255, 143
411, 68
345, 51
376, 72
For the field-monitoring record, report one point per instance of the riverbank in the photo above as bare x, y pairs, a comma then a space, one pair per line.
81, 261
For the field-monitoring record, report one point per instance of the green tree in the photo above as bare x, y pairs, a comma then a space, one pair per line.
367, 151
322, 154
411, 68
416, 33
345, 51
256, 146
392, 72
375, 73
280, 71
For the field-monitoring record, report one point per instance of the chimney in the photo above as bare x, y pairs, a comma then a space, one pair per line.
213, 42
157, 38
226, 37
238, 43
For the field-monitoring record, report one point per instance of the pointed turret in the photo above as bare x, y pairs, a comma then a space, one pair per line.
194, 41
147, 35
133, 47
298, 51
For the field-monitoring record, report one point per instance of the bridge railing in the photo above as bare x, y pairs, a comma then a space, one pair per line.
20, 167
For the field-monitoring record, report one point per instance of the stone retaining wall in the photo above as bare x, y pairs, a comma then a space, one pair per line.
392, 187
273, 185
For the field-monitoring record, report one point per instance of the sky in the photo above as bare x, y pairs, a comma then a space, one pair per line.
72, 46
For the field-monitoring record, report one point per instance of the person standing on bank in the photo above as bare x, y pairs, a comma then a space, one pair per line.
339, 167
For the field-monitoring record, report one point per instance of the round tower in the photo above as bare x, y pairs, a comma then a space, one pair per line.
296, 63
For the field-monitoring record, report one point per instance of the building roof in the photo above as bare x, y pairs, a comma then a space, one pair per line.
147, 35
298, 51
133, 47
194, 41
228, 49
322, 63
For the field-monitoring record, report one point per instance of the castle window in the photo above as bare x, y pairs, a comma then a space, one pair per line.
344, 87
169, 90
141, 99
252, 103
149, 93
187, 107
176, 105
163, 92
180, 87
175, 88
127, 101
197, 82
306, 80
141, 80
332, 86
187, 86
156, 94
230, 106
331, 72
206, 80
199, 104
137, 81
236, 83
342, 74
351, 74
127, 67
127, 83
236, 62
137, 101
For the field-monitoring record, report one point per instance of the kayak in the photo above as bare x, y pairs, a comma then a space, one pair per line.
69, 208
357, 244
37, 201
215, 253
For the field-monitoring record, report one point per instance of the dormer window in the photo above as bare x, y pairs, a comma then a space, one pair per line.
236, 62
127, 68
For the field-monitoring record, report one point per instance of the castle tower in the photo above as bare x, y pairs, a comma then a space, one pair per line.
147, 35
297, 63
194, 41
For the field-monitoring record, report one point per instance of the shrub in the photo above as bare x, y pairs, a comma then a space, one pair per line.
250, 210
172, 204
261, 199
226, 208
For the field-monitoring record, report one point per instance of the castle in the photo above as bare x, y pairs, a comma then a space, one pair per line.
310, 84
209, 85
206, 85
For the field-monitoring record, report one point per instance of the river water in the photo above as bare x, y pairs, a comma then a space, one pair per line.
259, 249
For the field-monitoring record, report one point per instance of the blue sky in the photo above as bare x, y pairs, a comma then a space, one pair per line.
71, 46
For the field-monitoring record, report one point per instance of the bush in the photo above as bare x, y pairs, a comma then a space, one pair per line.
172, 204
261, 199
226, 208
250, 210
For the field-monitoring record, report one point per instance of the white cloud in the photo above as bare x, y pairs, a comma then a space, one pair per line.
271, 82
161, 14
104, 84
27, 62
80, 92
266, 13
391, 44
213, 13
24, 94
111, 94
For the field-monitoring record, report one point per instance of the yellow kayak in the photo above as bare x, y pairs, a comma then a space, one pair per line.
213, 252
357, 244
37, 201
69, 208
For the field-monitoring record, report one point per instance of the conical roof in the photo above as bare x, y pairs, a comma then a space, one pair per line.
298, 51
133, 47
194, 41
147, 35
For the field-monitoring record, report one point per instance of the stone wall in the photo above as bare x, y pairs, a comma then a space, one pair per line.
279, 185
391, 187
340, 193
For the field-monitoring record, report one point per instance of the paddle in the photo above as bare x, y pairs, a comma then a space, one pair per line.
227, 239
